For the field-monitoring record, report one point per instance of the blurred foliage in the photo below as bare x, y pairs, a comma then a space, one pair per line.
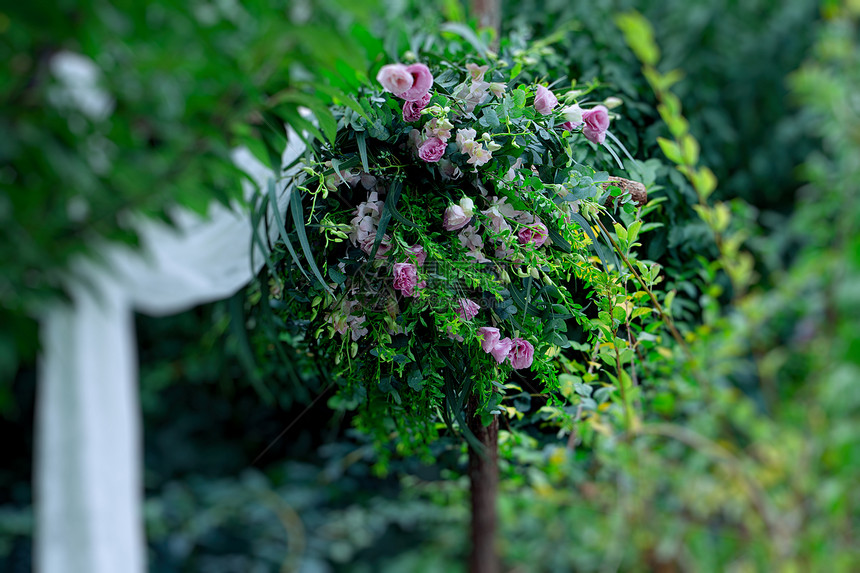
732, 57
731, 61
116, 110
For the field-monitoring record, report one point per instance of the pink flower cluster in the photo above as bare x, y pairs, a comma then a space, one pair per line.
595, 122
365, 224
519, 351
412, 109
432, 149
466, 310
478, 154
431, 146
535, 233
352, 178
475, 92
499, 213
343, 320
457, 216
416, 254
406, 274
411, 83
473, 243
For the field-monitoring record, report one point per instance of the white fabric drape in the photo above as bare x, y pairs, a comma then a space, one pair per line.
88, 478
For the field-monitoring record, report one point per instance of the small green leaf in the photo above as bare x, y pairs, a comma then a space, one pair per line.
515, 71
336, 275
415, 379
490, 118
639, 36
667, 302
671, 150
633, 231
360, 139
641, 311
678, 126
621, 232
705, 182
690, 149
519, 97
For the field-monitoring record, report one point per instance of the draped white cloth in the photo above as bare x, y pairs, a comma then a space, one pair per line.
88, 459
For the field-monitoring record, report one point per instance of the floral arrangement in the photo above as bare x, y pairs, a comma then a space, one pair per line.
453, 242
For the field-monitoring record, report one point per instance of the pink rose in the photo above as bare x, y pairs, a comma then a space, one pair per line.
432, 150
492, 345
417, 254
422, 81
501, 350
412, 109
415, 141
536, 234
596, 123
490, 336
455, 218
521, 353
405, 278
396, 78
544, 101
382, 250
467, 309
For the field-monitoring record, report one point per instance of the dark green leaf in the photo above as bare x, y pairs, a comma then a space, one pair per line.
299, 222
360, 139
279, 220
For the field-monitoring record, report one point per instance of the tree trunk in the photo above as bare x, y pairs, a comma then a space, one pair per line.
483, 484
489, 14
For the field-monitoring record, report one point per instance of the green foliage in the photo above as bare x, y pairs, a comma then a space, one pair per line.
113, 111
727, 63
734, 56
746, 417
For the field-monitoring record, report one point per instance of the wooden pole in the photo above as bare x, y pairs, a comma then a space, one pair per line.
484, 465
489, 14
483, 484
